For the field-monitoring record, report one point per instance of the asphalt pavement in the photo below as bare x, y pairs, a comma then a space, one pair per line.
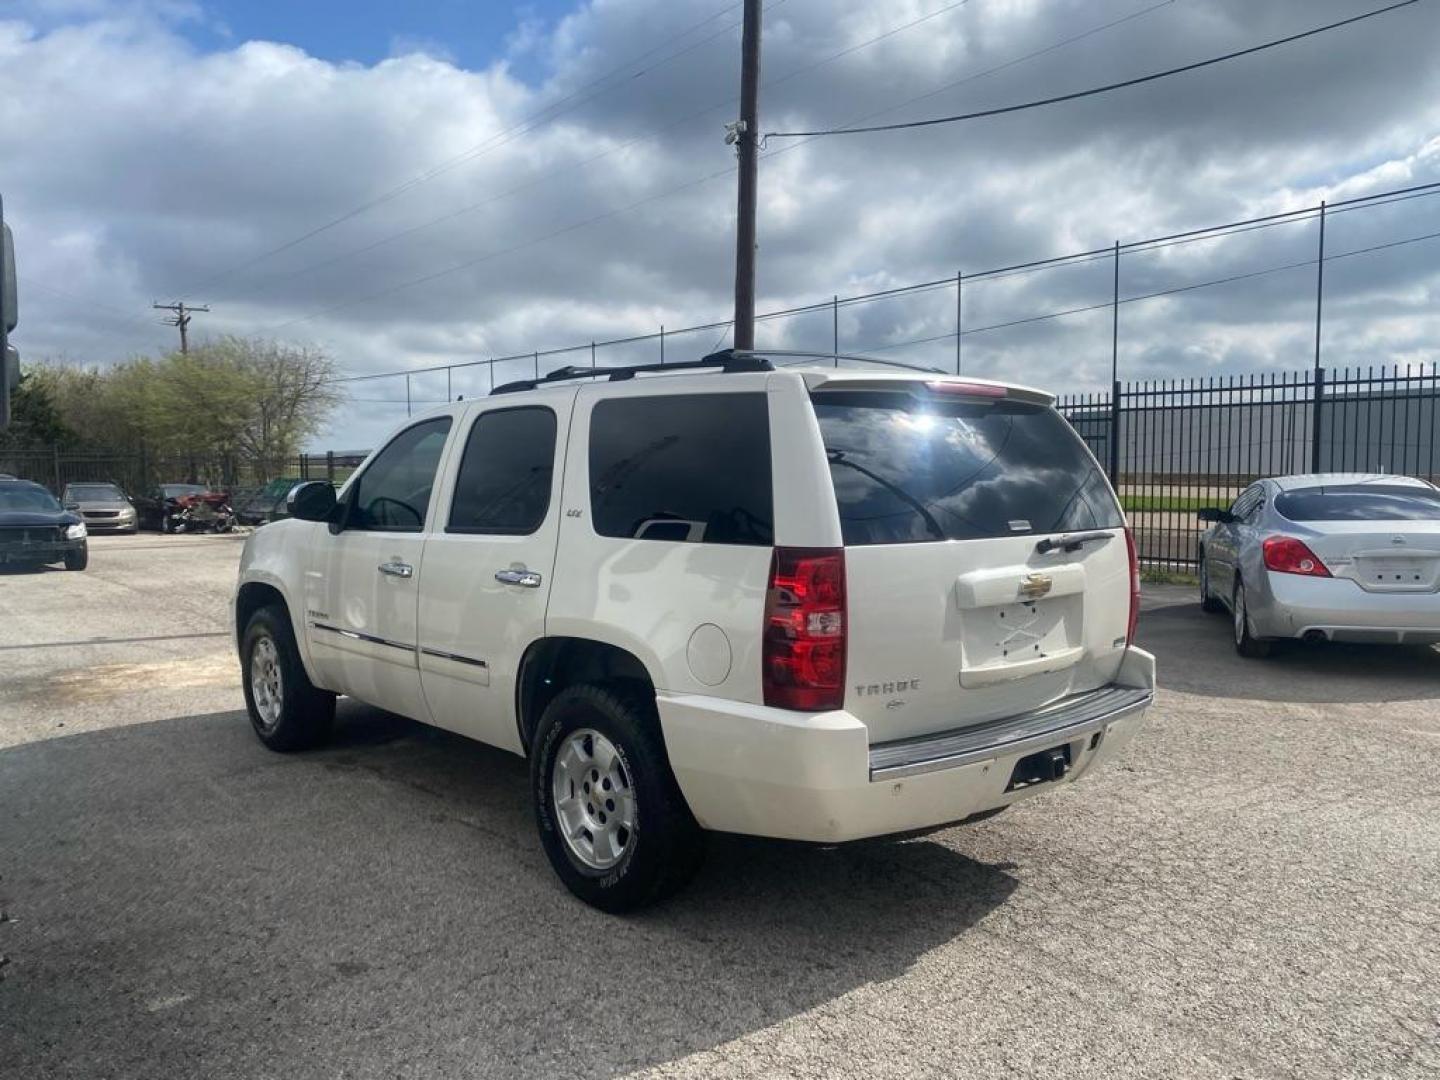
1251, 891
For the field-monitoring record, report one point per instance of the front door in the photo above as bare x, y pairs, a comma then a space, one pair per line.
361, 587
488, 565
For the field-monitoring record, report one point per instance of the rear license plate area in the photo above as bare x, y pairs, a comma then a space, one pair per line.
1043, 767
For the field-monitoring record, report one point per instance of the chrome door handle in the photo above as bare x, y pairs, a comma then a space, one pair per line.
527, 579
397, 569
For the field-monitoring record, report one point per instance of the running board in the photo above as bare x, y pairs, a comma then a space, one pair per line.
1060, 722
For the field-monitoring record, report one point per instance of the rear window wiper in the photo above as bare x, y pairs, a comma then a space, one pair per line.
1070, 541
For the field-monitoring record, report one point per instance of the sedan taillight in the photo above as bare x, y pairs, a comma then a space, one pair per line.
1287, 555
803, 662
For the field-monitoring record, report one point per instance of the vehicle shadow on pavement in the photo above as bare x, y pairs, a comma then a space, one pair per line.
1195, 654
189, 903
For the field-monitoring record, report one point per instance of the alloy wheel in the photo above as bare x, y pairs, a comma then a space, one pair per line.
267, 687
594, 799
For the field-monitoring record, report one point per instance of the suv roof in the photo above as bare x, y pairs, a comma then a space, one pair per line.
814, 367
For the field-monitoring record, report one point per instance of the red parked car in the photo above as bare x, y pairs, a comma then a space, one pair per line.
173, 508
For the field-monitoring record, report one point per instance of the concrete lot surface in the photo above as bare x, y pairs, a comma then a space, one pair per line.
1252, 891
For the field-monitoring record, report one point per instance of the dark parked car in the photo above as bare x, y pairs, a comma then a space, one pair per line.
35, 529
268, 503
175, 508
103, 506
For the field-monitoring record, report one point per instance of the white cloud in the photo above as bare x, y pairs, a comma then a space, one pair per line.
137, 167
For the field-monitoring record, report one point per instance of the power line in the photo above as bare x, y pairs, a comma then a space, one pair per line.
587, 162
530, 123
1359, 202
681, 187
1094, 90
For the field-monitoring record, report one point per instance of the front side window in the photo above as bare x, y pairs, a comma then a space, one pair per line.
911, 468
506, 474
393, 493
693, 468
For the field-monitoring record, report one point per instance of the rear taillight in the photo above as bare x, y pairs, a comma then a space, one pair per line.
804, 649
1287, 555
1134, 587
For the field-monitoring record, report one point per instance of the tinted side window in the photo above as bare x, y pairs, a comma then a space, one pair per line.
393, 493
912, 469
689, 467
505, 475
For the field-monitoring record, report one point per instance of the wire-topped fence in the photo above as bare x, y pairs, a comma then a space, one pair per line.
958, 329
1175, 446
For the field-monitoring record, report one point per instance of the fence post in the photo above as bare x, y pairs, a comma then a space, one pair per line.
1316, 405
1115, 434
55, 450
835, 327
330, 465
662, 343
959, 317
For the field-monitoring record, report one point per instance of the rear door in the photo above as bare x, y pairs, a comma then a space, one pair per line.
489, 562
1384, 536
961, 607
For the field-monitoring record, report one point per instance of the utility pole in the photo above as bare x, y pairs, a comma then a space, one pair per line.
180, 317
745, 134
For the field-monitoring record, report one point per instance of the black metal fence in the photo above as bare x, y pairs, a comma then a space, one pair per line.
1174, 446
1170, 446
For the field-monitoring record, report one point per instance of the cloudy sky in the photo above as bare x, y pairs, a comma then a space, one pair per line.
410, 184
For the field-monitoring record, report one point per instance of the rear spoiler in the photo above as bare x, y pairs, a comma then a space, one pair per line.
938, 385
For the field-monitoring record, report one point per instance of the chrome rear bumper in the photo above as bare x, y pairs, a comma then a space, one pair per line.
1062, 721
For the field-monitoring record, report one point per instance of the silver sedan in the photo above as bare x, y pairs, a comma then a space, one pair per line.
1328, 556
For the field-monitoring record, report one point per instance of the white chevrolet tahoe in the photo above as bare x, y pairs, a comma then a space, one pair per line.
735, 594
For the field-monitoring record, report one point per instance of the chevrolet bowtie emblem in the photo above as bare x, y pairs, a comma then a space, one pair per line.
1034, 586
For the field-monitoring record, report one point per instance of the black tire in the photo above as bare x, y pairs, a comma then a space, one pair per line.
165, 524
1246, 644
306, 714
1208, 601
665, 846
78, 560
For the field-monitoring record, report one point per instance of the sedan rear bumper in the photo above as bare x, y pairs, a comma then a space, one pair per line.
1297, 606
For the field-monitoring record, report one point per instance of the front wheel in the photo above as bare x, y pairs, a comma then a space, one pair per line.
287, 711
78, 559
1246, 643
1208, 601
612, 820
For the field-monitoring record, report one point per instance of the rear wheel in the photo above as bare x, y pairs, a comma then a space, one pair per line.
611, 817
1246, 643
287, 711
1208, 602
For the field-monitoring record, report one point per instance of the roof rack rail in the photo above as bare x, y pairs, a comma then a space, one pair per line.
728, 360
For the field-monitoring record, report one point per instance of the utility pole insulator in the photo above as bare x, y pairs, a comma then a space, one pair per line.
181, 319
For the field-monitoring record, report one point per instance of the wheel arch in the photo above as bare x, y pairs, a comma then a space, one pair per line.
256, 593
550, 664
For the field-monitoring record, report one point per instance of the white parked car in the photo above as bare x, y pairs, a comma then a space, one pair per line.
801, 602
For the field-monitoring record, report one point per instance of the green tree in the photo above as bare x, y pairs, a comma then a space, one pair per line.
36, 421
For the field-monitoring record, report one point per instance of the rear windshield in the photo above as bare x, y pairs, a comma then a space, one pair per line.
1360, 502
909, 469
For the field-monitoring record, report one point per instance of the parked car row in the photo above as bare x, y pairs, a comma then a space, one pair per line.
168, 508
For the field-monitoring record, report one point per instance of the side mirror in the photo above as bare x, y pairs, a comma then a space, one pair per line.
312, 501
1216, 516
